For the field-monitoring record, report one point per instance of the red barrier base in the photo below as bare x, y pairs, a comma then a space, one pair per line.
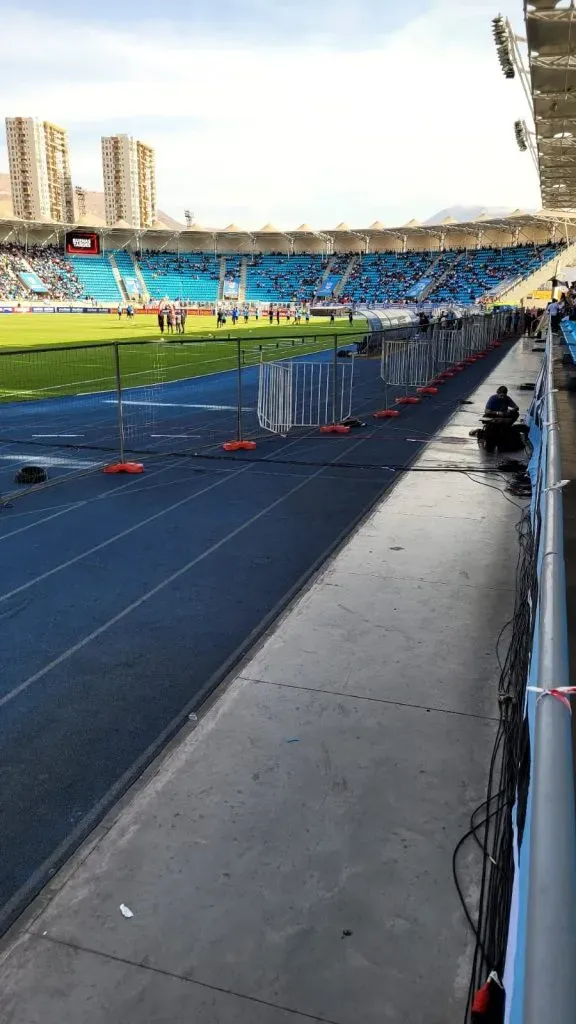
428, 390
239, 446
385, 414
407, 400
124, 467
335, 428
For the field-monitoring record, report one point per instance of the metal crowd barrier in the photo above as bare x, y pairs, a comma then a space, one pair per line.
416, 365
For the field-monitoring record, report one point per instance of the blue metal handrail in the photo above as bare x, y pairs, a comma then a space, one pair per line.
550, 965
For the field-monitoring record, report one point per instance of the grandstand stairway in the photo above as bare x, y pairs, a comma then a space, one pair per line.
440, 269
118, 277
325, 275
138, 274
131, 280
351, 265
222, 278
243, 278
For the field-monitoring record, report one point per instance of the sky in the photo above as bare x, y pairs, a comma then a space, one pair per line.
280, 110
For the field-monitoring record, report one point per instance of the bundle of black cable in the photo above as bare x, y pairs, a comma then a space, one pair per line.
491, 823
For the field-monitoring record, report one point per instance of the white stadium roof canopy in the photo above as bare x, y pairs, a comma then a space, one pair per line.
522, 222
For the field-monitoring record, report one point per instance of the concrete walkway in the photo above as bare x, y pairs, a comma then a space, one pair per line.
290, 858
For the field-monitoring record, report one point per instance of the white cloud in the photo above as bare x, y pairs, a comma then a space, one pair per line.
418, 121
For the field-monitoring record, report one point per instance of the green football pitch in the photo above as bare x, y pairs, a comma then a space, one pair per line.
47, 355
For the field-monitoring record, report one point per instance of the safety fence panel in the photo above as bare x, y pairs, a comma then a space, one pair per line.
58, 413
305, 394
275, 406
407, 363
449, 349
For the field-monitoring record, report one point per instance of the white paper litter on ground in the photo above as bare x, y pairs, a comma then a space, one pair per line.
125, 911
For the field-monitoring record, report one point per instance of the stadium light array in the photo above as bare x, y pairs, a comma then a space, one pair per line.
521, 133
501, 33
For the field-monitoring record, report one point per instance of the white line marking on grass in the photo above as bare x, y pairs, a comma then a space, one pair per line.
17, 690
8, 393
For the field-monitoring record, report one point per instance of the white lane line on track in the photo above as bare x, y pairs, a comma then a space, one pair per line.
75, 505
49, 460
118, 536
58, 435
179, 405
17, 690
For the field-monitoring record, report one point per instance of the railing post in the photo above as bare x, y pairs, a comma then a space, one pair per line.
239, 390
335, 379
118, 376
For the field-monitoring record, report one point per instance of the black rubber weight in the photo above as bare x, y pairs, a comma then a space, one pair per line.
31, 475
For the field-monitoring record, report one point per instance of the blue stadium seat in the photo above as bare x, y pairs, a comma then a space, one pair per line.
190, 276
273, 277
479, 271
96, 275
387, 276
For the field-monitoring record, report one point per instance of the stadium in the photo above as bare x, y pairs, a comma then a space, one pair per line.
288, 616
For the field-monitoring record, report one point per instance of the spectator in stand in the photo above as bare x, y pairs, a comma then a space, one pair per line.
54, 270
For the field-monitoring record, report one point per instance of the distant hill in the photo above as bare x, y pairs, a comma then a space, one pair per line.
94, 206
466, 213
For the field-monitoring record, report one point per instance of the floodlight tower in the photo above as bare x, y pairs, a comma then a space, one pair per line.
512, 64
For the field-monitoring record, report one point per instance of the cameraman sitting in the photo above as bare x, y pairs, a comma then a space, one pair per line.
501, 408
